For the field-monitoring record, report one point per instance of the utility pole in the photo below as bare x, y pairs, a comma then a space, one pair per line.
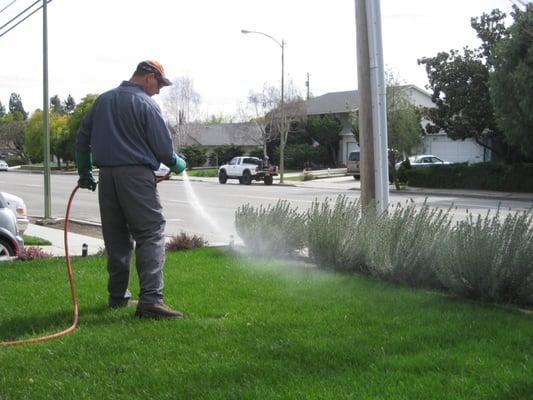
372, 106
366, 142
46, 128
307, 85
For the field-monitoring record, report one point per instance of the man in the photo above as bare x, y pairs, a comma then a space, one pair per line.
124, 132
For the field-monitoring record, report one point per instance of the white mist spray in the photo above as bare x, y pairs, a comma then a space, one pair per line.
198, 207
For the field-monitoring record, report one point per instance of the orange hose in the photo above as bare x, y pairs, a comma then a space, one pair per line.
72, 289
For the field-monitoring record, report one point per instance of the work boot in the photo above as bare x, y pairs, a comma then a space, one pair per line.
157, 311
123, 304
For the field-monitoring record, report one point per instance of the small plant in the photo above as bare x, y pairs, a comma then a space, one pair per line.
268, 231
490, 259
404, 244
183, 241
328, 227
32, 253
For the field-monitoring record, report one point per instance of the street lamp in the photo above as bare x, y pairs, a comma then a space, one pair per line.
283, 138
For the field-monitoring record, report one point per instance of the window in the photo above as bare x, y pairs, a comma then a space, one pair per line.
354, 156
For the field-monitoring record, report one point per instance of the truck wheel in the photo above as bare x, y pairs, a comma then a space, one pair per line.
222, 177
241, 180
247, 177
6, 250
268, 180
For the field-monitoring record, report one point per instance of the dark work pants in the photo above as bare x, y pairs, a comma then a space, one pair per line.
131, 211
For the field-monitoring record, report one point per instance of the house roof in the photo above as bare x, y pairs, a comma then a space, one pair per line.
348, 101
240, 134
332, 103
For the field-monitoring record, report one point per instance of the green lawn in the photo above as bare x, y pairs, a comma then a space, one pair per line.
257, 330
209, 172
35, 241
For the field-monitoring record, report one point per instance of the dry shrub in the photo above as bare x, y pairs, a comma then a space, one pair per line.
183, 241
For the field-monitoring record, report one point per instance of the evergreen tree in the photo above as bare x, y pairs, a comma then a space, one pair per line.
16, 107
69, 105
511, 82
56, 106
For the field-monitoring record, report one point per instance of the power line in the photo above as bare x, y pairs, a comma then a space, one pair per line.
22, 20
7, 6
18, 15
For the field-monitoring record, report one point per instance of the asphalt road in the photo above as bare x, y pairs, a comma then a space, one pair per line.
207, 208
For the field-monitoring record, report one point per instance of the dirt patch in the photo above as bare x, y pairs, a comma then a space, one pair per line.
90, 230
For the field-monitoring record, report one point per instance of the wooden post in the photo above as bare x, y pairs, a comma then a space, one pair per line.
366, 142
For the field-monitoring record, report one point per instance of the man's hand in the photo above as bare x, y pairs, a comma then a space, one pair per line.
87, 181
179, 166
84, 164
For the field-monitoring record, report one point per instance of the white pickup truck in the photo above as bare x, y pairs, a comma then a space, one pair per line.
246, 169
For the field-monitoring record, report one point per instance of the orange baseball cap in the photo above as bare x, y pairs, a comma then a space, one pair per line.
156, 68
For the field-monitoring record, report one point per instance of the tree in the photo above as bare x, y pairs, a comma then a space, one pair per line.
404, 129
325, 129
2, 110
258, 110
511, 82
194, 155
288, 118
33, 135
16, 107
224, 153
69, 105
220, 118
181, 103
79, 112
56, 106
74, 122
460, 85
12, 137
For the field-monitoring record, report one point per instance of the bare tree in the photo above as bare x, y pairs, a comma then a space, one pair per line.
258, 110
288, 118
181, 105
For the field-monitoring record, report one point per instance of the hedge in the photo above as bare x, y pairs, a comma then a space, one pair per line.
480, 176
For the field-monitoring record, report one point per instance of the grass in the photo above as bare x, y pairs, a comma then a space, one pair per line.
257, 330
204, 172
35, 241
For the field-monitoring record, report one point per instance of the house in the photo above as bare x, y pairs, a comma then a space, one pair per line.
343, 104
245, 134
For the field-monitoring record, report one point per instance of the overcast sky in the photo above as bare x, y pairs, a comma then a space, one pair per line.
95, 44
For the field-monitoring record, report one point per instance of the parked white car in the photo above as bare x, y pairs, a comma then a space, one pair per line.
425, 160
17, 205
3, 165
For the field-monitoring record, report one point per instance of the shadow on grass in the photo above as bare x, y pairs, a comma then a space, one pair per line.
36, 325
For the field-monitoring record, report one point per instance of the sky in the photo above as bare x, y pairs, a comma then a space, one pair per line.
95, 44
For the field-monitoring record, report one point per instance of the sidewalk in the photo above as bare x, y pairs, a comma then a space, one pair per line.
56, 236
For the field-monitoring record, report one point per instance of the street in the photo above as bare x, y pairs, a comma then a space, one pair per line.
207, 208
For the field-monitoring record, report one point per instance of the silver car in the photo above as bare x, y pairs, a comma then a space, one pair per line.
17, 205
3, 165
10, 241
425, 160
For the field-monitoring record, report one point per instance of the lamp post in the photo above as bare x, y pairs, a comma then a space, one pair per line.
283, 134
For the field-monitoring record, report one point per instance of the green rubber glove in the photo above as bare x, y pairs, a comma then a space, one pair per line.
84, 162
179, 166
